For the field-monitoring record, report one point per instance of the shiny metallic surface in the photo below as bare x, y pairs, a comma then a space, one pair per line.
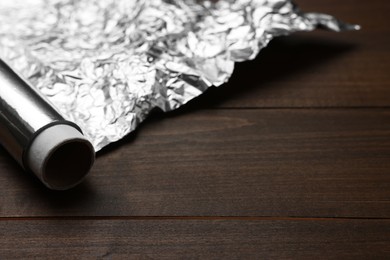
23, 113
106, 64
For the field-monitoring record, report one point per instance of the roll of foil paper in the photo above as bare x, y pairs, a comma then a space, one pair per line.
38, 137
106, 64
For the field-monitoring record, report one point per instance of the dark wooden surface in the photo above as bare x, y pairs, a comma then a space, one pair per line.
290, 159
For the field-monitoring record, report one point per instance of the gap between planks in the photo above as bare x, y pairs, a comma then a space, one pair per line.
189, 218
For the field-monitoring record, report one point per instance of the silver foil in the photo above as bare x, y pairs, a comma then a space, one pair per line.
106, 64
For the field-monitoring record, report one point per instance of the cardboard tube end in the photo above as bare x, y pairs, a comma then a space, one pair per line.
60, 157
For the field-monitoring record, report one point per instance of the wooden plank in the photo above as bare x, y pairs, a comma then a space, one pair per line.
320, 69
195, 239
271, 162
329, 164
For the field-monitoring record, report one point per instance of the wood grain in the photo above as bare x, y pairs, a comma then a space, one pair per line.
194, 239
289, 160
276, 162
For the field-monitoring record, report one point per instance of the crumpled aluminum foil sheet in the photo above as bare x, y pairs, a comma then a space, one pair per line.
106, 64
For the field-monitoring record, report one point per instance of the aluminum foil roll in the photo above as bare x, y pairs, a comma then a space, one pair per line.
106, 64
38, 137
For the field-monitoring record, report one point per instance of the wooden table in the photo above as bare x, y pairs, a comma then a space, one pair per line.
291, 159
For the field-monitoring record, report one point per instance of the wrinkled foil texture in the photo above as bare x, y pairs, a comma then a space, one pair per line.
106, 64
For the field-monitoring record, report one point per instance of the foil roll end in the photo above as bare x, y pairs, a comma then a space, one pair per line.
60, 157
